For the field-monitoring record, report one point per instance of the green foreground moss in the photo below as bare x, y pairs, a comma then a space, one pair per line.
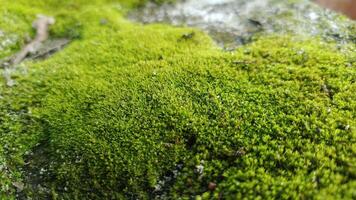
131, 111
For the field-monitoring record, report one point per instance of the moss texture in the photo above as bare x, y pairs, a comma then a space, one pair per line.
139, 112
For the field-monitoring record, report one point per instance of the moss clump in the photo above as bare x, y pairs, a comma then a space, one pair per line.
131, 111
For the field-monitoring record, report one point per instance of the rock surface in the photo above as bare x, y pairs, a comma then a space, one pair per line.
233, 23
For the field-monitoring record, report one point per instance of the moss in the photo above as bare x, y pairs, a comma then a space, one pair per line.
131, 111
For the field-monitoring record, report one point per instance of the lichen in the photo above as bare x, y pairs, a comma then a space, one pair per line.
154, 111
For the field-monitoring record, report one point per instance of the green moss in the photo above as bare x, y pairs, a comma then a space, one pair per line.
125, 107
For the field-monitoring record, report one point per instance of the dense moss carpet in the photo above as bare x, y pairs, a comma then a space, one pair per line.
128, 111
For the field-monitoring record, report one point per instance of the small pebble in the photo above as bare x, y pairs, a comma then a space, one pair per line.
200, 169
19, 186
103, 21
212, 186
347, 127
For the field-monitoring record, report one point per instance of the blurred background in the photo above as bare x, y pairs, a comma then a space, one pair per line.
348, 7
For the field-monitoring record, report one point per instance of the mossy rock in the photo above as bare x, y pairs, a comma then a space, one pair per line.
128, 111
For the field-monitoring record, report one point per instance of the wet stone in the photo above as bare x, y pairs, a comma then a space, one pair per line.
232, 23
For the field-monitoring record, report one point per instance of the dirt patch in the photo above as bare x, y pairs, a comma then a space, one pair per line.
36, 174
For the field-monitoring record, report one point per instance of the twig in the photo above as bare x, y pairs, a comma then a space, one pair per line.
41, 25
